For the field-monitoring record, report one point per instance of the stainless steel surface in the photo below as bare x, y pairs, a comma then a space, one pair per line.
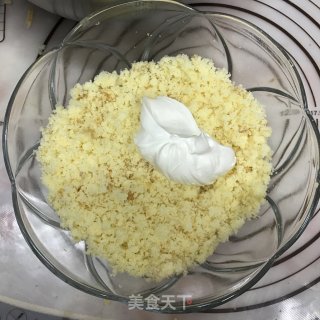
74, 9
291, 288
2, 21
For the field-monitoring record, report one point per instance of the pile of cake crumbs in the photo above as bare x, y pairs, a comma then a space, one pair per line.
127, 212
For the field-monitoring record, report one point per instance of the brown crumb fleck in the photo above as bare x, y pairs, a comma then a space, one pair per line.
130, 196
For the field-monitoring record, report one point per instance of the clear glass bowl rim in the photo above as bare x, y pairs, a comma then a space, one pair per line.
207, 303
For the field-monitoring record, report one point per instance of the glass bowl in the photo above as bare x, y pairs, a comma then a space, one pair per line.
112, 39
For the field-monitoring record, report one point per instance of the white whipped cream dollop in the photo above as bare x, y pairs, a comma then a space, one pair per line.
171, 141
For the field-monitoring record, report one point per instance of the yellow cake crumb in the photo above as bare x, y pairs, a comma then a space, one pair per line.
125, 210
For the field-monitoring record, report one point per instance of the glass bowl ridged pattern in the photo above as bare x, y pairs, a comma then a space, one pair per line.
147, 30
